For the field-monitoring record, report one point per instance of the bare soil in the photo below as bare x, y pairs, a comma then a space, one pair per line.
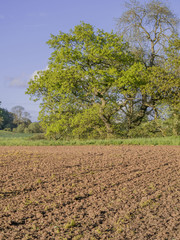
90, 192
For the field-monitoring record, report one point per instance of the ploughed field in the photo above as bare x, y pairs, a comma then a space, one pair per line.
90, 192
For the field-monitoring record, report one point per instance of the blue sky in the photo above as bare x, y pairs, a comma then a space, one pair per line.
26, 25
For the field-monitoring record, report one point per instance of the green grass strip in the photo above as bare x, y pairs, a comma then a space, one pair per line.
22, 139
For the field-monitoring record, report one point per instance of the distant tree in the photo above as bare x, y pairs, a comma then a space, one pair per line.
1, 121
6, 119
20, 128
20, 116
149, 27
1, 117
34, 127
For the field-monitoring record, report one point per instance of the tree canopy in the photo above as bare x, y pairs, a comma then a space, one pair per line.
81, 89
20, 115
99, 85
148, 27
11, 120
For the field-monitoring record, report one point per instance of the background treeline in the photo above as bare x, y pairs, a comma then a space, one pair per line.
167, 125
18, 120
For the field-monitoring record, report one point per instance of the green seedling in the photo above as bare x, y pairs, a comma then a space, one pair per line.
98, 231
152, 187
119, 230
52, 175
28, 201
90, 193
39, 181
46, 208
6, 209
159, 196
145, 203
34, 227
57, 229
70, 224
78, 237
120, 221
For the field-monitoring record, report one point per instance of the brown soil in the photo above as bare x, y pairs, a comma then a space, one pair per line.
90, 192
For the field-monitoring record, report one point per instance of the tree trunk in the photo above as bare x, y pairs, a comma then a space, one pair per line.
105, 119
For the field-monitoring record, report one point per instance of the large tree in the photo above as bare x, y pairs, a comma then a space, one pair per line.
81, 91
149, 27
20, 116
94, 87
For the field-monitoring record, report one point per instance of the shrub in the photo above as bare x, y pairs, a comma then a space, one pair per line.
147, 129
26, 130
7, 129
34, 128
20, 128
38, 136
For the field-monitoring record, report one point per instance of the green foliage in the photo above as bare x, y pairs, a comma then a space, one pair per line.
157, 128
12, 120
20, 116
6, 119
172, 65
33, 128
37, 136
171, 125
88, 124
81, 79
147, 129
173, 55
7, 129
20, 128
95, 87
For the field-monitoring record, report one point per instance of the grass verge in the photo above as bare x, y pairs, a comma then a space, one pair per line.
22, 139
